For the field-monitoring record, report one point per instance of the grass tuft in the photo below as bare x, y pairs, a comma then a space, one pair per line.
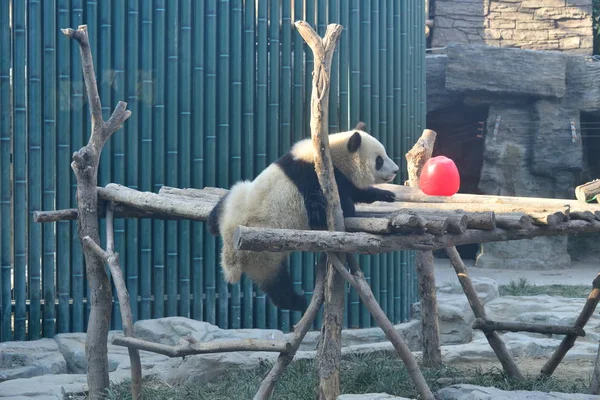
522, 287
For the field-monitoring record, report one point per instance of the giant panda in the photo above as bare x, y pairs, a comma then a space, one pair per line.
287, 195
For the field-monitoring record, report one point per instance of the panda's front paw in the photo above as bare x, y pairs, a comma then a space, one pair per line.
388, 196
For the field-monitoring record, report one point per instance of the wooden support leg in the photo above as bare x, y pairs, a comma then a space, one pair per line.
284, 359
432, 354
358, 282
493, 338
569, 340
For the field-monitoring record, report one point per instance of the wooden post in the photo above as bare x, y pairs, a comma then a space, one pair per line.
432, 352
85, 165
493, 338
569, 340
329, 349
112, 260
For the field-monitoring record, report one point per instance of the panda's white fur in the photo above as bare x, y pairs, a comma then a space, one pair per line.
286, 195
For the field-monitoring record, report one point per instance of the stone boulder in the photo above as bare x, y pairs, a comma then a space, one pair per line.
583, 86
455, 316
540, 253
505, 71
171, 329
473, 392
32, 358
47, 387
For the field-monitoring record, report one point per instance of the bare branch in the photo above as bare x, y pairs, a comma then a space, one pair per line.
190, 348
119, 115
300, 330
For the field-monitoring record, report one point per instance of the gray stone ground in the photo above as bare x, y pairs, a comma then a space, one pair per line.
55, 368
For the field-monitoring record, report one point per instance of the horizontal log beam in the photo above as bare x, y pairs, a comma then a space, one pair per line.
277, 240
409, 194
491, 326
191, 348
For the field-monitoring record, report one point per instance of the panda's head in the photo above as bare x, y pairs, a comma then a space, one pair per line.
361, 157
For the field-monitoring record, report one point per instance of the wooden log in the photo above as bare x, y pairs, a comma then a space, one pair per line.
549, 219
484, 220
479, 311
491, 326
569, 340
514, 221
300, 330
373, 225
416, 158
277, 240
329, 350
148, 201
359, 283
437, 226
208, 193
190, 348
111, 259
418, 155
588, 191
595, 380
409, 194
85, 166
406, 222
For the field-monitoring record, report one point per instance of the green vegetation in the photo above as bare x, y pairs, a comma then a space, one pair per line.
361, 374
524, 288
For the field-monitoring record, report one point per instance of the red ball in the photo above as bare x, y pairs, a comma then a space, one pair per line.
439, 177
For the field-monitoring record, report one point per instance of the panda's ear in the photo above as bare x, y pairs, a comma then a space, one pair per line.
361, 126
354, 142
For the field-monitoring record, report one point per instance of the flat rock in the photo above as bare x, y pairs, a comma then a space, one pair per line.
370, 396
539, 253
473, 392
205, 367
500, 70
32, 358
50, 387
171, 329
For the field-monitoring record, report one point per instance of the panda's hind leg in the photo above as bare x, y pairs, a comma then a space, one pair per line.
279, 287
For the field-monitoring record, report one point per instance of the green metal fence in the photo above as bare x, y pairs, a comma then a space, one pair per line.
218, 89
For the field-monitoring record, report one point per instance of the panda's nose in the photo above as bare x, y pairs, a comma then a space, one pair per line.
396, 169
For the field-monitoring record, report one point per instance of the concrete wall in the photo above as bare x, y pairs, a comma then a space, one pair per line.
564, 25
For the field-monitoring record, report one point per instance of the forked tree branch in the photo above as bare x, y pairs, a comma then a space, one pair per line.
85, 166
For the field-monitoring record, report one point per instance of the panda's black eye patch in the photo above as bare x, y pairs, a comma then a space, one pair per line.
378, 163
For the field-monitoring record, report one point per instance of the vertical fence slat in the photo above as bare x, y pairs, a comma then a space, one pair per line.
297, 132
249, 76
78, 126
120, 160
288, 319
63, 169
171, 145
34, 164
158, 161
20, 169
354, 95
197, 155
273, 118
6, 110
185, 161
365, 109
235, 168
131, 133
261, 127
146, 102
49, 166
224, 90
210, 248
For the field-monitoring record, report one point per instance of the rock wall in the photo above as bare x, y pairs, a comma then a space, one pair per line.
533, 97
528, 24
